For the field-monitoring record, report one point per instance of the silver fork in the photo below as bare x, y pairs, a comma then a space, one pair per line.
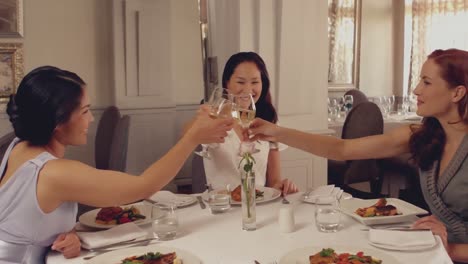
284, 200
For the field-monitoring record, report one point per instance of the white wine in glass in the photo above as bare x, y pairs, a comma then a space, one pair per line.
244, 106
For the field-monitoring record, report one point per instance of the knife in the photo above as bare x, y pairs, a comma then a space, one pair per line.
123, 243
200, 201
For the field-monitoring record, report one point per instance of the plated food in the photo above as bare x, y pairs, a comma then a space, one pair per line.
329, 256
153, 258
406, 212
118, 215
236, 194
380, 208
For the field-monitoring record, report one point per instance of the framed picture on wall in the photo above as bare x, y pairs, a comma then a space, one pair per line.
11, 18
11, 69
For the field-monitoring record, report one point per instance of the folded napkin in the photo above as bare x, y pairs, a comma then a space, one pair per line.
120, 233
169, 197
403, 240
324, 194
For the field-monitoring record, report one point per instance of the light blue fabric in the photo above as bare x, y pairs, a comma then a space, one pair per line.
26, 231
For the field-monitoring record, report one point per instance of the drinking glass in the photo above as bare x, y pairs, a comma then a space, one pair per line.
244, 112
219, 201
327, 214
348, 103
220, 107
244, 109
164, 221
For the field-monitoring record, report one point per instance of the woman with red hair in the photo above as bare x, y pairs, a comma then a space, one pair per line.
439, 145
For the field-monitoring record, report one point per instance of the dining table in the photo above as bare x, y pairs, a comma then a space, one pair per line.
219, 238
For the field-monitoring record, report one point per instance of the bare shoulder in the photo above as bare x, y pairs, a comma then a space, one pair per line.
61, 169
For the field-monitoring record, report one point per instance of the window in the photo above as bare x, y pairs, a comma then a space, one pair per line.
431, 25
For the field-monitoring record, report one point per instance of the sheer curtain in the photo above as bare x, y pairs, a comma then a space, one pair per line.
435, 24
341, 40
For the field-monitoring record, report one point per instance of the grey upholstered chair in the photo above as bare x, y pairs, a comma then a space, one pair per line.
111, 144
358, 96
364, 119
104, 136
198, 173
119, 146
5, 141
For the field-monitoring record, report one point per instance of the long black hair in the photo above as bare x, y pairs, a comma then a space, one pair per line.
46, 97
264, 107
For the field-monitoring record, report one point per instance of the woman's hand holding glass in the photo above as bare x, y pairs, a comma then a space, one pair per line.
263, 130
205, 130
218, 106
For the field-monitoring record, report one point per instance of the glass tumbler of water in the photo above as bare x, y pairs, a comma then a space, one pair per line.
219, 201
165, 222
327, 214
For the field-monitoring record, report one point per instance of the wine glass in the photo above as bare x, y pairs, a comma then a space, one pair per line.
348, 102
244, 112
220, 107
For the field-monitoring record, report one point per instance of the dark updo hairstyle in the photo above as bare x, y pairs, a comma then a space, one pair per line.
46, 97
264, 108
427, 141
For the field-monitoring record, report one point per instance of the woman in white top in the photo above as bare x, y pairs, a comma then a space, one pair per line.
245, 72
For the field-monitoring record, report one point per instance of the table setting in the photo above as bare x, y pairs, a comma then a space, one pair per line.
285, 233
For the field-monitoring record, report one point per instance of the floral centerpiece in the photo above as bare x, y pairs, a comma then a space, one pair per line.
246, 165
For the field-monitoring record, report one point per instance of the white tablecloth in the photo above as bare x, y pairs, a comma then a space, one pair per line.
216, 238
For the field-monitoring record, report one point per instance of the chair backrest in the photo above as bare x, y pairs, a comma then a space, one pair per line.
119, 146
5, 141
365, 119
358, 96
198, 173
102, 144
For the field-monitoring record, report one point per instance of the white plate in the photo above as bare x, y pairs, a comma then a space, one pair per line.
407, 211
269, 194
89, 218
115, 257
181, 200
301, 255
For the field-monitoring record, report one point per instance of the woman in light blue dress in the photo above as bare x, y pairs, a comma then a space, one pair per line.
39, 189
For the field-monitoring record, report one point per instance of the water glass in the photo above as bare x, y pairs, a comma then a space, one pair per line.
165, 222
327, 214
348, 102
219, 201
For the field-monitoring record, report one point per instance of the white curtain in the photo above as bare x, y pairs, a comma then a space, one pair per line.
341, 40
436, 24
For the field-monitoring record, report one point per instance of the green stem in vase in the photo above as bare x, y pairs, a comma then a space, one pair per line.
248, 169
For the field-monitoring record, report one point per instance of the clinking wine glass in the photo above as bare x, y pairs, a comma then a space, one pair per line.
244, 113
220, 107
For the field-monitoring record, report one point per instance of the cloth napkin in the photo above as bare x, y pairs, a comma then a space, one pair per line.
324, 194
169, 197
402, 239
120, 233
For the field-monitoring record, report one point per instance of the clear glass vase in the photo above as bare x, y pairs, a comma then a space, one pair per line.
249, 214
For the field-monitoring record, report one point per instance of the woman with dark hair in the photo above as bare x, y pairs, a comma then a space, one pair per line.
246, 73
439, 146
39, 189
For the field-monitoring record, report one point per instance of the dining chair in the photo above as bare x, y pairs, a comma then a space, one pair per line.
364, 119
198, 173
5, 141
104, 136
111, 145
358, 96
